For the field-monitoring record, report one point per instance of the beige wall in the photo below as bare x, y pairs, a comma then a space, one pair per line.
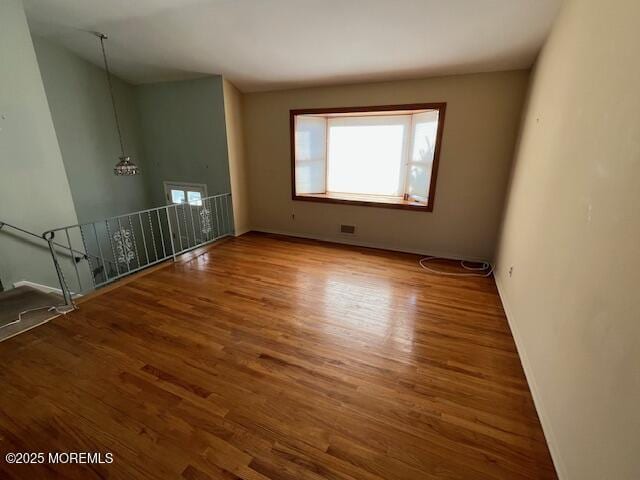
237, 164
483, 117
572, 235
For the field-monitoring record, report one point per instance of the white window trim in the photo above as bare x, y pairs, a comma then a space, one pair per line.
407, 146
406, 201
167, 188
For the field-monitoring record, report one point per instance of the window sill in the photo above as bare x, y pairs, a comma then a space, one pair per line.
364, 201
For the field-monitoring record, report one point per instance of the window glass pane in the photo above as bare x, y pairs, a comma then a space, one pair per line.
177, 196
365, 155
194, 198
424, 140
310, 147
425, 129
310, 177
418, 178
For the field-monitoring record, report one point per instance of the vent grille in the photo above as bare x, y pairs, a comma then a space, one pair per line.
348, 229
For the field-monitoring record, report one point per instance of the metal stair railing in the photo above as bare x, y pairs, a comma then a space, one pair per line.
77, 256
128, 243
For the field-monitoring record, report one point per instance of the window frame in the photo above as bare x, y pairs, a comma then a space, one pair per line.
392, 203
186, 187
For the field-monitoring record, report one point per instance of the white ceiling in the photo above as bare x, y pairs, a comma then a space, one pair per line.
271, 44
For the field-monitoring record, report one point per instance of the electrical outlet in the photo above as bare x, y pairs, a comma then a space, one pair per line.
511, 270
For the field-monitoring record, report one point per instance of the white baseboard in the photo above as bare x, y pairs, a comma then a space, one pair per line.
42, 288
533, 387
381, 246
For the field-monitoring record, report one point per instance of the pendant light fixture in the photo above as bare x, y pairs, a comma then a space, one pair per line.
125, 166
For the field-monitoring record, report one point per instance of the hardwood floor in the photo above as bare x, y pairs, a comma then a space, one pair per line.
275, 358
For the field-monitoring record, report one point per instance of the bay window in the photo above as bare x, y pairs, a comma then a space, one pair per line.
381, 156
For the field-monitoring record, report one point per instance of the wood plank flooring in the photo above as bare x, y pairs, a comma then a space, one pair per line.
274, 358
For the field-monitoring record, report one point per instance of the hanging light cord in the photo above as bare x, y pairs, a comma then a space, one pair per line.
102, 36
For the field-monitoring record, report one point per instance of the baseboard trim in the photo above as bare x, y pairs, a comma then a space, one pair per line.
533, 386
42, 288
238, 233
358, 243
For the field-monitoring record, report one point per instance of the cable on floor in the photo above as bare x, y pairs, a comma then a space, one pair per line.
482, 269
57, 309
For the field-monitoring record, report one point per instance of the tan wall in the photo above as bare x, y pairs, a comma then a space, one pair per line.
237, 164
482, 120
572, 235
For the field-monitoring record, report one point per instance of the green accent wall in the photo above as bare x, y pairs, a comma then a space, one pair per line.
184, 135
34, 191
58, 144
78, 96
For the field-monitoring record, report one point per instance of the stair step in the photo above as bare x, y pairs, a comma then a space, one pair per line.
21, 299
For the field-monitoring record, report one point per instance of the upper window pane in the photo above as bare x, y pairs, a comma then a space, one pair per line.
424, 140
195, 198
177, 196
